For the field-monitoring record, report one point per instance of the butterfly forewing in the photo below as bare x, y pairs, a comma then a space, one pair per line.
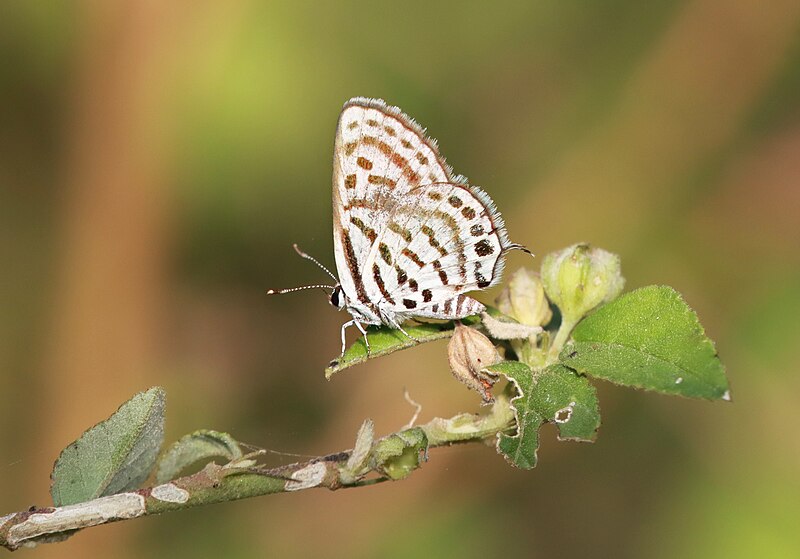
410, 238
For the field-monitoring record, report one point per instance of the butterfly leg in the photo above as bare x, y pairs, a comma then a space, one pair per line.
364, 332
396, 326
344, 340
361, 329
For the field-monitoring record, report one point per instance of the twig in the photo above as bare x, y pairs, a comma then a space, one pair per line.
242, 479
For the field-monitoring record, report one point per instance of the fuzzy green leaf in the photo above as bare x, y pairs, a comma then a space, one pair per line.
115, 455
520, 448
552, 395
649, 338
384, 340
194, 447
567, 399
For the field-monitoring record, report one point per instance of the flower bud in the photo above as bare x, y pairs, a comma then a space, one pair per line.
398, 455
523, 299
469, 353
579, 278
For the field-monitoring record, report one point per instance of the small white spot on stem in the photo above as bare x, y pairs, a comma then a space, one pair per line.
727, 396
308, 477
81, 515
170, 493
678, 380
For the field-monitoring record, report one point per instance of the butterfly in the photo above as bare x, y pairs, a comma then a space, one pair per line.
410, 237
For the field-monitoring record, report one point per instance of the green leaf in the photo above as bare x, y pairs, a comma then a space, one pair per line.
567, 399
384, 340
552, 395
520, 448
115, 455
194, 447
649, 339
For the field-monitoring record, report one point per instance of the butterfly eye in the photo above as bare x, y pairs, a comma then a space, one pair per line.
337, 300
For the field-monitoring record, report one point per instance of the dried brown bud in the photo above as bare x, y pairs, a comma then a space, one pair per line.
469, 353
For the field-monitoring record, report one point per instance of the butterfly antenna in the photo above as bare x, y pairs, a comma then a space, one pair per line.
314, 260
280, 291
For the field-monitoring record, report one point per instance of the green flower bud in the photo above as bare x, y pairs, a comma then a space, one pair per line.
580, 278
397, 455
469, 353
523, 299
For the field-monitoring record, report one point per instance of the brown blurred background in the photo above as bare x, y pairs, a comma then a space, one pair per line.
157, 161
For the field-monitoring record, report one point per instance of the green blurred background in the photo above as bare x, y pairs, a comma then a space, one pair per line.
157, 161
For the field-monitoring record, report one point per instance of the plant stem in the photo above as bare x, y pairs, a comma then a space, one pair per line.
216, 484
561, 338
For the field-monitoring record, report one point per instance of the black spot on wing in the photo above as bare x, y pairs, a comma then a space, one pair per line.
483, 248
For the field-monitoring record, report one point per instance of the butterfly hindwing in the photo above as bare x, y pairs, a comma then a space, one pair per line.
441, 241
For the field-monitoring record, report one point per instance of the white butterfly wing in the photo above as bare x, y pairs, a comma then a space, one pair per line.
409, 237
379, 156
444, 240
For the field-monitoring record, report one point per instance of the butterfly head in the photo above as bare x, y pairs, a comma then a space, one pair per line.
337, 298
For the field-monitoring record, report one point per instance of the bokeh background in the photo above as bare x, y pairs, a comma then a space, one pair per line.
158, 159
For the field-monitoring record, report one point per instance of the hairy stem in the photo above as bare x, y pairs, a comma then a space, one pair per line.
561, 338
389, 458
